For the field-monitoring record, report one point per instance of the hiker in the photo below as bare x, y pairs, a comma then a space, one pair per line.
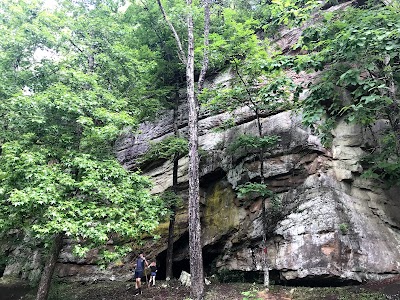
153, 272
139, 271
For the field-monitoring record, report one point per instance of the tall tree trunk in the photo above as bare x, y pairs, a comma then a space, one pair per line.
170, 248
263, 212
196, 257
195, 247
171, 228
47, 275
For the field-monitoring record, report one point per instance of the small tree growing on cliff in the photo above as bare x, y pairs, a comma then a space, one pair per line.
265, 90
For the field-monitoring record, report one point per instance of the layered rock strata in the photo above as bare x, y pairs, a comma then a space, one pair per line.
332, 224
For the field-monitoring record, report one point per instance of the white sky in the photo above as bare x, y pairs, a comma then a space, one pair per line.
50, 4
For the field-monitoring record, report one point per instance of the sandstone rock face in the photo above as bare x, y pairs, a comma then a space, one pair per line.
333, 223
27, 269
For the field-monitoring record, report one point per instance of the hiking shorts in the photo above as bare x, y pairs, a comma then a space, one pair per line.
138, 274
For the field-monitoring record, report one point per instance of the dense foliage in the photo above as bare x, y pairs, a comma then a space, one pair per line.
166, 149
61, 113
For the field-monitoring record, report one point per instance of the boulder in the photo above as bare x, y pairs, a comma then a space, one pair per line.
185, 278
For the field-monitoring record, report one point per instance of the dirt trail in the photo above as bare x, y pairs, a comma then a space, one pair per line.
388, 289
13, 291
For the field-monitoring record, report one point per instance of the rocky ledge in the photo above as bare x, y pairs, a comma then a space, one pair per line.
332, 223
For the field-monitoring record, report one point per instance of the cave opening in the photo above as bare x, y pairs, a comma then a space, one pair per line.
210, 255
177, 266
211, 178
209, 263
180, 258
3, 262
212, 252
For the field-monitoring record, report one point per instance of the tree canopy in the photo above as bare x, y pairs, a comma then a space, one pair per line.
61, 114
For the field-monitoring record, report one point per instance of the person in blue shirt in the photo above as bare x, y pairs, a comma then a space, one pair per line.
140, 262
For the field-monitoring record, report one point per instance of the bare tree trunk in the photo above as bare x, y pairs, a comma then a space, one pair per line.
195, 247
170, 247
181, 53
182, 57
263, 212
47, 275
171, 229
196, 257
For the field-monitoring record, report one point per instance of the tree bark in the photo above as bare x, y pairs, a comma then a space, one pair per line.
195, 247
196, 257
47, 275
171, 228
170, 249
181, 53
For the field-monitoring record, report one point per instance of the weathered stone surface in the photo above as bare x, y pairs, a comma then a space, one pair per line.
336, 224
25, 264
185, 278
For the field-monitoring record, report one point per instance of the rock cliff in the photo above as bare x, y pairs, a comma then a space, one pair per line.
332, 223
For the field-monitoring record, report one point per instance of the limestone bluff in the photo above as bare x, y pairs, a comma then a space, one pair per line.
335, 225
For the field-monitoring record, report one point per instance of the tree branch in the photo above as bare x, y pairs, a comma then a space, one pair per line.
76, 46
181, 53
204, 65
